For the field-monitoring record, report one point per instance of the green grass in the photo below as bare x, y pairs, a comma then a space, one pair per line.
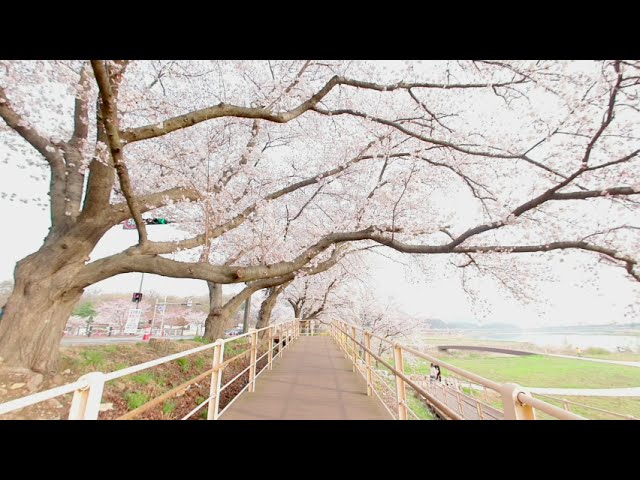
540, 371
135, 399
621, 405
110, 348
121, 366
199, 400
185, 364
418, 407
143, 378
199, 363
235, 347
93, 358
596, 351
201, 340
168, 407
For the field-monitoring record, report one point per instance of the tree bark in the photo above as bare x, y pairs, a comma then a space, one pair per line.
216, 321
45, 292
268, 304
37, 312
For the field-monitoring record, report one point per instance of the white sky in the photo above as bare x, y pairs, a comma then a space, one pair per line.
570, 300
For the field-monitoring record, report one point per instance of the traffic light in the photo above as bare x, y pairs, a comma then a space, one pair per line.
156, 221
137, 297
131, 224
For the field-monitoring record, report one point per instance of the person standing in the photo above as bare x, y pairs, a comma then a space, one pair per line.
438, 373
433, 374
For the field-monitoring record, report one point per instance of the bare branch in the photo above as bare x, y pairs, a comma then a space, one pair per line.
110, 121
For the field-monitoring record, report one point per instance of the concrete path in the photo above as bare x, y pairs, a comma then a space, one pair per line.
313, 381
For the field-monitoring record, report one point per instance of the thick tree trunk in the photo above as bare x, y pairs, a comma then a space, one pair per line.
264, 315
216, 320
37, 311
268, 304
47, 287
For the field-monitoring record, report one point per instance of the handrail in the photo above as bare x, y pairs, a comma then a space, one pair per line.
517, 402
564, 400
407, 380
23, 402
545, 407
88, 388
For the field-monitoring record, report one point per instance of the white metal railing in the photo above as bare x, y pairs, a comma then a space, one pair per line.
518, 404
88, 389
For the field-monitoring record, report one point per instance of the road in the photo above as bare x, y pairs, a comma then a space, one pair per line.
75, 341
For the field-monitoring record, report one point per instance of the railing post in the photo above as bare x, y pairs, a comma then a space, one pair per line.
254, 356
401, 393
282, 338
354, 346
270, 336
459, 404
288, 335
565, 405
344, 340
513, 409
367, 356
216, 378
85, 404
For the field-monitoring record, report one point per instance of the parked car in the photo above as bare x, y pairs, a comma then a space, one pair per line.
233, 332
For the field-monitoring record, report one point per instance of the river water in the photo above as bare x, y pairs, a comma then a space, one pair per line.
574, 340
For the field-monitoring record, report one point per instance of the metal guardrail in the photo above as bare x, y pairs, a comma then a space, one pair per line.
88, 389
518, 404
566, 406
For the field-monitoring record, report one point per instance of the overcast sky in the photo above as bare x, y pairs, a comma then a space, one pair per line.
569, 300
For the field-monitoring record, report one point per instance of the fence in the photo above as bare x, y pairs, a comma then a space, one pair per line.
358, 345
88, 390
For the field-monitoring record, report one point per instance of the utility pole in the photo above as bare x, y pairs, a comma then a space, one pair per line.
140, 288
162, 320
247, 309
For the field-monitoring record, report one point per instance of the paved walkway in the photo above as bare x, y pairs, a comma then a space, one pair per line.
313, 381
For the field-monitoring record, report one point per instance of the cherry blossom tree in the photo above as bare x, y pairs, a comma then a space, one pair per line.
115, 312
382, 317
475, 160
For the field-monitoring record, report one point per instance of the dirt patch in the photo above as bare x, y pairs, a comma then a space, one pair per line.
125, 394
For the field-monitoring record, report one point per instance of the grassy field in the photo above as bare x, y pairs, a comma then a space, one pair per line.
541, 371
622, 405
